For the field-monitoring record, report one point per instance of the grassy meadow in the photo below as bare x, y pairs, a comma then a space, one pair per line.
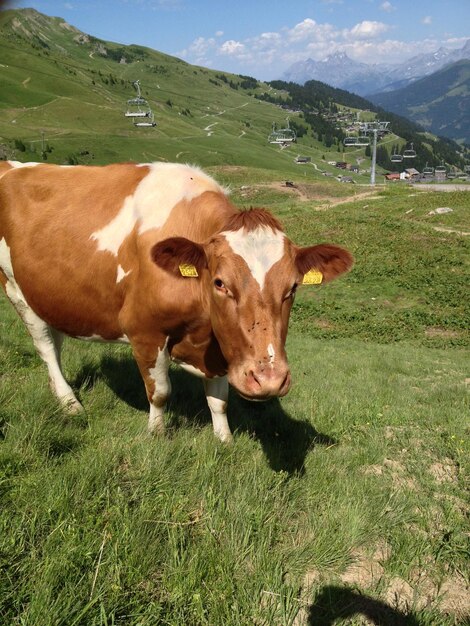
344, 503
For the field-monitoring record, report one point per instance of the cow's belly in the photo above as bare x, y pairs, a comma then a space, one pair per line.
78, 301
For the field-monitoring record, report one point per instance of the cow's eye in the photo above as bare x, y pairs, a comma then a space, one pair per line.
291, 292
219, 284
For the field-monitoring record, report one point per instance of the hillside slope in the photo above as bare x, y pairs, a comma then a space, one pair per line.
63, 96
439, 103
67, 90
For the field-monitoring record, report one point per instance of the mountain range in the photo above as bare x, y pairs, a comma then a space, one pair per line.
440, 102
339, 70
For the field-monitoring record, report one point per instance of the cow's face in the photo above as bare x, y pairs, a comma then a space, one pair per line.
249, 275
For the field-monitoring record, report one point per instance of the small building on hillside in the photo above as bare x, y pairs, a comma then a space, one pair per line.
392, 176
411, 172
302, 159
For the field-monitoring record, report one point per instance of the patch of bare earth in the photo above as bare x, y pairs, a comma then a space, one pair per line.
366, 570
454, 596
445, 472
444, 333
367, 574
323, 324
395, 470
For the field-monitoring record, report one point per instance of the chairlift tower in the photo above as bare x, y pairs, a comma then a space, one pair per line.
374, 128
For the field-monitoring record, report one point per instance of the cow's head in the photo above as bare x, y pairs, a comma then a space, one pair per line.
250, 272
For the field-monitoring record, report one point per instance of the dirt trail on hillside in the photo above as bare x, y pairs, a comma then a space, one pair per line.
308, 192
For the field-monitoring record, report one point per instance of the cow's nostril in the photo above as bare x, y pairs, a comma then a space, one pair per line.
253, 379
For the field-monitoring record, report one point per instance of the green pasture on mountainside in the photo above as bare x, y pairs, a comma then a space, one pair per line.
74, 105
345, 499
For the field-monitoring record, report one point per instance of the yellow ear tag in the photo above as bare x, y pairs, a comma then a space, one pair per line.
312, 277
188, 270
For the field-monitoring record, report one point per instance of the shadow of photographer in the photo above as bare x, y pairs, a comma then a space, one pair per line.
333, 603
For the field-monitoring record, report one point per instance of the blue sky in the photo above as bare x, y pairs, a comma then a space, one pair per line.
263, 37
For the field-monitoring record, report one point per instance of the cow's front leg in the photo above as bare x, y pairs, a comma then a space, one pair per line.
153, 362
217, 395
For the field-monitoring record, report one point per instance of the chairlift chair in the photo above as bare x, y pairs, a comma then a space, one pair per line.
409, 153
350, 141
441, 169
281, 136
137, 107
137, 102
138, 113
363, 140
147, 123
286, 135
428, 171
396, 158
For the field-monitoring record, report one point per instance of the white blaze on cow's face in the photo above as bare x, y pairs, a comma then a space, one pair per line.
252, 275
260, 249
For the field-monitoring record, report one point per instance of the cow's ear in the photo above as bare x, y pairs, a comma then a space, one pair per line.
324, 262
179, 256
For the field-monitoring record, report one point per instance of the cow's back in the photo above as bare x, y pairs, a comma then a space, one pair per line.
77, 239
47, 216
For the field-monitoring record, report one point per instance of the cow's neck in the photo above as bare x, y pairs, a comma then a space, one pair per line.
195, 344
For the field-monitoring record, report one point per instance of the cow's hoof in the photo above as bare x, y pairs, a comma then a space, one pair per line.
226, 438
156, 430
72, 405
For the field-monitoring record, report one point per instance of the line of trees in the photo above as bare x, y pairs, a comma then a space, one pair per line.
316, 99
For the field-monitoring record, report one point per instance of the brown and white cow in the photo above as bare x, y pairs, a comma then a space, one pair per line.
154, 255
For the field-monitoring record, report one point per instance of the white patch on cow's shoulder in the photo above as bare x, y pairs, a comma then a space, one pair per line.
150, 205
121, 273
166, 185
111, 236
260, 249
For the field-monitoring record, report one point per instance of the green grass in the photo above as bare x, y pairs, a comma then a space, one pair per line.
362, 468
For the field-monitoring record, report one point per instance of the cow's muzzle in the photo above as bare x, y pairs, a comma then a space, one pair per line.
263, 384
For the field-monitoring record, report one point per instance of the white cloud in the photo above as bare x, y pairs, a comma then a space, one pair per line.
268, 54
387, 7
368, 30
219, 33
232, 48
427, 20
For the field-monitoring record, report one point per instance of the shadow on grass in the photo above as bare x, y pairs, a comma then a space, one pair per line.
285, 441
334, 602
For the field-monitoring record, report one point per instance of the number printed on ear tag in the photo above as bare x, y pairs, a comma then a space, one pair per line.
312, 277
188, 270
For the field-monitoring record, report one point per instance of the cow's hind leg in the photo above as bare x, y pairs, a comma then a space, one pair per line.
217, 396
48, 343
